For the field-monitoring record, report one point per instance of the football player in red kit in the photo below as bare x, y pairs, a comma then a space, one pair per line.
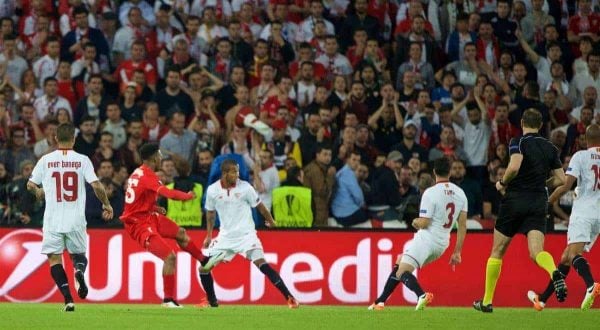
146, 223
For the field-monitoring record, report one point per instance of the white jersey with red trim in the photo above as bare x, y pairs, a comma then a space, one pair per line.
442, 203
62, 175
234, 207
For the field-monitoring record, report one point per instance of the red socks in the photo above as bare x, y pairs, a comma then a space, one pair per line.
193, 249
169, 286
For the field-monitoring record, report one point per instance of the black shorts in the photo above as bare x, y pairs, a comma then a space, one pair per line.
522, 213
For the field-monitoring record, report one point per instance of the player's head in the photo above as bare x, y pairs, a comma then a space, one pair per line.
592, 135
532, 119
150, 154
65, 135
230, 171
441, 168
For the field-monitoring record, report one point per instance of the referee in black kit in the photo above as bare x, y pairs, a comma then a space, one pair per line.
524, 205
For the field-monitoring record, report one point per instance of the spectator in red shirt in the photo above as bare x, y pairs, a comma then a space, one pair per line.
306, 54
67, 88
268, 111
29, 124
415, 9
153, 130
124, 73
585, 22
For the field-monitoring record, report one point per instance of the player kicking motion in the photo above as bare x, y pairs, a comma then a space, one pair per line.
584, 224
523, 207
233, 199
145, 222
62, 175
441, 206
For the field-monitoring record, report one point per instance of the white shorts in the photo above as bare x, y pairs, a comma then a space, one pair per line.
55, 243
583, 230
421, 251
248, 246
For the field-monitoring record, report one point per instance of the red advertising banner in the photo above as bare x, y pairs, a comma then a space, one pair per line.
319, 267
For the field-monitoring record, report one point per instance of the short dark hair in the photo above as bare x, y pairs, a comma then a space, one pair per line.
148, 150
65, 132
532, 118
293, 172
227, 163
441, 166
321, 147
86, 118
49, 79
80, 10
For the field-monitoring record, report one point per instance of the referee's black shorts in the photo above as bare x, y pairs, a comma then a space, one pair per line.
522, 212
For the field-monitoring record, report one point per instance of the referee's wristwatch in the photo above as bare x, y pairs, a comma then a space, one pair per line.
502, 183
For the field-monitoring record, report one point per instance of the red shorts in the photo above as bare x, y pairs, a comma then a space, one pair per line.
144, 228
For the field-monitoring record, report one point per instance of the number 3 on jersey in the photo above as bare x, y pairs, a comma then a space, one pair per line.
450, 208
66, 186
130, 193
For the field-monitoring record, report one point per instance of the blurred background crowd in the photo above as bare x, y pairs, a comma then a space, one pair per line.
335, 109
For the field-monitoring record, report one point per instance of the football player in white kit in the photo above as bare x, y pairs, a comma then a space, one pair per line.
584, 223
441, 206
62, 175
233, 199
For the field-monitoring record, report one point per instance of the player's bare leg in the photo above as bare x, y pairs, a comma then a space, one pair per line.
60, 278
535, 242
492, 271
80, 263
186, 244
274, 277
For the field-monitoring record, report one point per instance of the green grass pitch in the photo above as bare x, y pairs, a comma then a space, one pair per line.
112, 316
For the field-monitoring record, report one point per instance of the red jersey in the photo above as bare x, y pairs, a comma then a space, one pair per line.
124, 73
143, 188
141, 193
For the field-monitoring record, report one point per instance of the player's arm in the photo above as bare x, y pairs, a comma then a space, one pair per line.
174, 193
210, 225
421, 223
35, 189
561, 190
100, 192
558, 178
262, 209
461, 233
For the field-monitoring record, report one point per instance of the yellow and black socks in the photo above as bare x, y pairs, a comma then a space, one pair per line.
545, 261
492, 273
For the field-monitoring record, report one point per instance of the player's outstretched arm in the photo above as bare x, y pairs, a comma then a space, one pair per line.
460, 238
36, 190
99, 191
560, 191
174, 194
269, 222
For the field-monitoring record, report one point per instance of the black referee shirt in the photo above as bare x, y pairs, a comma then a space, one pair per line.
540, 156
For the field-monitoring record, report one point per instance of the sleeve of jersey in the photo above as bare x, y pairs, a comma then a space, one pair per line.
514, 147
209, 204
88, 171
427, 208
37, 173
574, 169
252, 197
173, 193
465, 207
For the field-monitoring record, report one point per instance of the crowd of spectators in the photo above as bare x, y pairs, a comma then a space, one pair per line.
358, 97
